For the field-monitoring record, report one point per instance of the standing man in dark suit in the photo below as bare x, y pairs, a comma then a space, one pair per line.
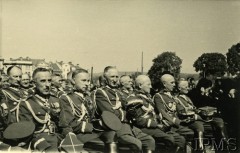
201, 97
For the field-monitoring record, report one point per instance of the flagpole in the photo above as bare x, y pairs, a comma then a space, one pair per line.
142, 63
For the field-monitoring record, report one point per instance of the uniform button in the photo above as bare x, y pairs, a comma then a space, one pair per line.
15, 103
39, 112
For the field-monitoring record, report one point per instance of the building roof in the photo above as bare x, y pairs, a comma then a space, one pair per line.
37, 61
34, 61
56, 68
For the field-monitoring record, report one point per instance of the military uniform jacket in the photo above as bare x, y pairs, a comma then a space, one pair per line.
124, 95
140, 108
43, 112
74, 115
57, 92
27, 92
108, 99
185, 105
10, 100
165, 104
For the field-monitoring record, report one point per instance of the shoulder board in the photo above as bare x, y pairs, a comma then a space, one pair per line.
133, 100
29, 97
52, 94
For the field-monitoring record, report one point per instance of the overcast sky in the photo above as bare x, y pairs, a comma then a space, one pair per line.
100, 33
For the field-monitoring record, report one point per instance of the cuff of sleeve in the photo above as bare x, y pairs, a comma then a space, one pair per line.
86, 127
153, 124
41, 144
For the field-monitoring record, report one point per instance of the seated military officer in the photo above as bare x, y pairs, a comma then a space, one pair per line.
56, 88
76, 117
4, 81
25, 85
43, 110
165, 104
11, 96
108, 98
125, 87
187, 111
140, 109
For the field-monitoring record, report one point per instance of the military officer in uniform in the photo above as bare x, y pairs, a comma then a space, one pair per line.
43, 110
126, 87
76, 115
187, 111
4, 81
108, 99
165, 105
11, 96
56, 88
126, 84
140, 108
25, 85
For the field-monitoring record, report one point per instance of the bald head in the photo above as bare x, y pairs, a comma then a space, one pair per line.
15, 75
182, 83
126, 82
166, 77
168, 82
183, 86
143, 83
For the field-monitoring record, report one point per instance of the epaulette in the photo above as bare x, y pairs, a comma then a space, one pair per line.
30, 96
53, 95
133, 100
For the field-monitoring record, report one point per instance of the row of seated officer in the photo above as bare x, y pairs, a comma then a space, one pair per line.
67, 122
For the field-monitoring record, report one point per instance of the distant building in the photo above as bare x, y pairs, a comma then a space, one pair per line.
27, 64
56, 68
67, 67
24, 63
38, 63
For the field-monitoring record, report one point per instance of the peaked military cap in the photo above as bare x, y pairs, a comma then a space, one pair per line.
111, 121
19, 130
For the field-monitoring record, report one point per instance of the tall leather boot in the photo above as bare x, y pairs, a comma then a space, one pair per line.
147, 151
200, 146
177, 149
180, 150
111, 147
225, 140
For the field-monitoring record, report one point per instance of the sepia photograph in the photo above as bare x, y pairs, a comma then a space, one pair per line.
120, 76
